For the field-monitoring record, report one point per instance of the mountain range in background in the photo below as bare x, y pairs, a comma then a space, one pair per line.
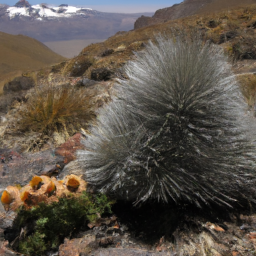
48, 23
188, 8
68, 29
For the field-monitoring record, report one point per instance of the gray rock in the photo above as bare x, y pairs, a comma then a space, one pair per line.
79, 67
18, 84
20, 168
107, 52
88, 82
6, 219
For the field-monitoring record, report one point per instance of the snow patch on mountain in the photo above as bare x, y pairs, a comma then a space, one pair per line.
13, 11
43, 11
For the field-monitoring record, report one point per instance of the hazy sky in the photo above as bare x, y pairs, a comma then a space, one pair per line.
109, 5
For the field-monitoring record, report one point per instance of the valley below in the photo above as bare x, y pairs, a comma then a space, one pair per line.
70, 48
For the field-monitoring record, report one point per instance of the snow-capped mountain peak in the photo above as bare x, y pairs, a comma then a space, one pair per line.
39, 11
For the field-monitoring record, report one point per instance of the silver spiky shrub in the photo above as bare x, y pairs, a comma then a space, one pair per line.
178, 130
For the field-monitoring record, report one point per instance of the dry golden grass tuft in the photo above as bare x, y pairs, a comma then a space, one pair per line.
248, 87
52, 106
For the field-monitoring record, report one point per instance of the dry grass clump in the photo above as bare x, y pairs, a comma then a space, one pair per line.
248, 87
50, 106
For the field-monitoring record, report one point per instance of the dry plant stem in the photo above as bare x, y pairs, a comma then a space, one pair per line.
178, 131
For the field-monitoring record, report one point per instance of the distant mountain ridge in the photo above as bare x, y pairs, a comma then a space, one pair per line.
41, 11
188, 8
57, 23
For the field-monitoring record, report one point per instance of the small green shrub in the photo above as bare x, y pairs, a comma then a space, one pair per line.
50, 105
54, 222
34, 243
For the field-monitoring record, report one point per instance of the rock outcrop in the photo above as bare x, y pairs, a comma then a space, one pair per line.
184, 9
18, 84
188, 8
22, 3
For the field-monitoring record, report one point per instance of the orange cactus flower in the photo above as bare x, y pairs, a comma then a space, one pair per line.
73, 183
6, 197
24, 196
51, 187
36, 180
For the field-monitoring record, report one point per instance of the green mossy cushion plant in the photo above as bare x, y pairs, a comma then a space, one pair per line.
48, 224
179, 130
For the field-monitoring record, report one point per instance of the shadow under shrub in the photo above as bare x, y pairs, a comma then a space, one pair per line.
47, 225
48, 106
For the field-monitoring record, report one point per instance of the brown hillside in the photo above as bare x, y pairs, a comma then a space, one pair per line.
188, 8
220, 5
18, 52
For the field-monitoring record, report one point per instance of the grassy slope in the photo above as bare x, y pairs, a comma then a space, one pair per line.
18, 52
219, 5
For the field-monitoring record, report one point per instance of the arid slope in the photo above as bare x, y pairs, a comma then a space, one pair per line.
21, 53
220, 5
188, 8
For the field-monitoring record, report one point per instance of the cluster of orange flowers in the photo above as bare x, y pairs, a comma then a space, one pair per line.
42, 189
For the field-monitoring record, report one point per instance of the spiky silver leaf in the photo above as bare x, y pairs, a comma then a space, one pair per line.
178, 130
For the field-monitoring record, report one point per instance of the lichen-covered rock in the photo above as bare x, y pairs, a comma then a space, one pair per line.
18, 168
